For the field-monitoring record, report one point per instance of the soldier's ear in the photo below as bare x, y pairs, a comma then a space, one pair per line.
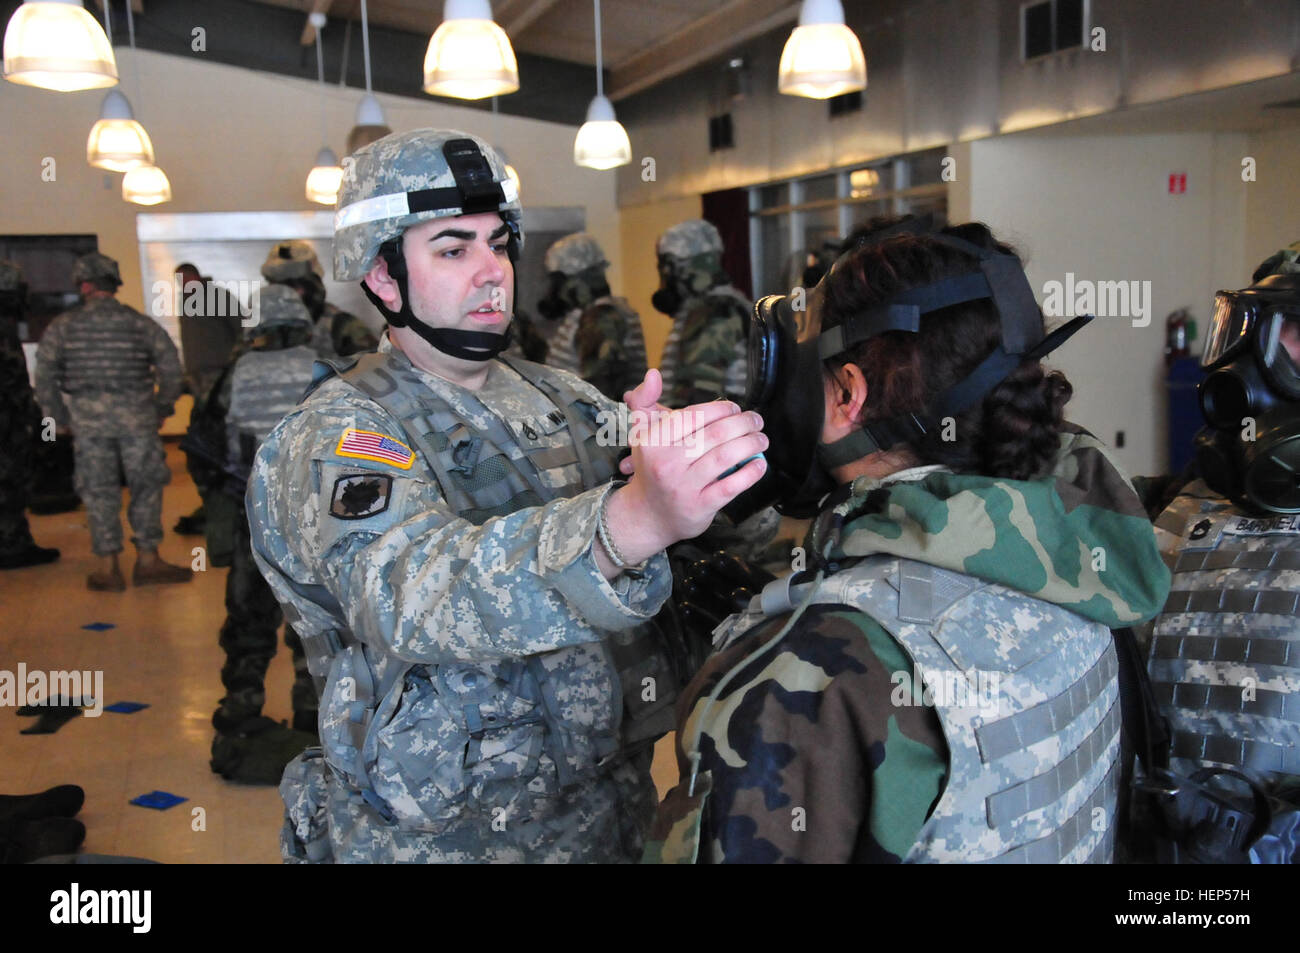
378, 280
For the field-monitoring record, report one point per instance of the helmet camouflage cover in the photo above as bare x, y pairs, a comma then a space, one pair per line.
574, 254
94, 265
279, 306
403, 180
688, 239
290, 260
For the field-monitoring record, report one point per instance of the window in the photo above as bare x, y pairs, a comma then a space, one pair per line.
1051, 26
791, 221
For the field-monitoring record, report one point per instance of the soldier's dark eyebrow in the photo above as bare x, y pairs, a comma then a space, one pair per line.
460, 233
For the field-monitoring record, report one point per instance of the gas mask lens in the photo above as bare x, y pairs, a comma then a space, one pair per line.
1280, 350
1229, 328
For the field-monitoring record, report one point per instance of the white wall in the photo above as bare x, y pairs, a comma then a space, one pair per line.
232, 139
1100, 208
1273, 200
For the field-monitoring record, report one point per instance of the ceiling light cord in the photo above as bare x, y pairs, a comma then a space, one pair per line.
320, 77
600, 63
365, 41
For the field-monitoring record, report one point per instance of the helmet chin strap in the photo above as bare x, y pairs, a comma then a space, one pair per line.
465, 345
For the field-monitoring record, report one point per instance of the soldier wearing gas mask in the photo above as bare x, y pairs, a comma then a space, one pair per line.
940, 684
337, 333
704, 356
1223, 659
589, 331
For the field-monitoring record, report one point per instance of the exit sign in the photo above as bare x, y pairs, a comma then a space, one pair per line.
1177, 183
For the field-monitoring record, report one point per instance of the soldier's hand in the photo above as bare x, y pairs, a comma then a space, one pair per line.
644, 398
675, 490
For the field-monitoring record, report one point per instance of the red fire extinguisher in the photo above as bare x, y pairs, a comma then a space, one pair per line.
1180, 332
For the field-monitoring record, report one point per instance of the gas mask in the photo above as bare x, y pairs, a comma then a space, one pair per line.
1250, 452
312, 291
572, 292
787, 348
681, 279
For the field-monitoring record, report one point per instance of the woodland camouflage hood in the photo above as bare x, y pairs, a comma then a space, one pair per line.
1077, 537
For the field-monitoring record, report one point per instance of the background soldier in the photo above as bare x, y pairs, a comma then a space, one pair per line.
1219, 660
429, 520
266, 383
338, 333
704, 356
606, 339
121, 376
18, 419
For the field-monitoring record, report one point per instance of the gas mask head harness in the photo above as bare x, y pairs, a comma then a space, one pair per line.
1250, 452
787, 351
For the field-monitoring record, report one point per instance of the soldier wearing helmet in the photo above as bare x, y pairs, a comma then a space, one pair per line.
337, 333
18, 415
589, 331
443, 531
704, 356
112, 375
263, 385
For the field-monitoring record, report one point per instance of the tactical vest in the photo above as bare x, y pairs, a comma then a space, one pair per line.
724, 301
1225, 655
265, 386
560, 334
481, 472
106, 351
1031, 718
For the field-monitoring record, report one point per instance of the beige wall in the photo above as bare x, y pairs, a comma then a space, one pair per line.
639, 226
1100, 208
1273, 200
232, 139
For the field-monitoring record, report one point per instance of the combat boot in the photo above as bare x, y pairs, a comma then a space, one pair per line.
257, 752
151, 570
106, 580
33, 555
21, 842
65, 800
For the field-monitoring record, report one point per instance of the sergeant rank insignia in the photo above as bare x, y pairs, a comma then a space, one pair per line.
360, 495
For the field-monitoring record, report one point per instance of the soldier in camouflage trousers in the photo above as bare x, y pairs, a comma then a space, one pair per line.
264, 385
945, 689
594, 334
704, 356
440, 527
121, 375
18, 414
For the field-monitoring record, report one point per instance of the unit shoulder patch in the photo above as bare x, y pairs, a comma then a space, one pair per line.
359, 496
369, 445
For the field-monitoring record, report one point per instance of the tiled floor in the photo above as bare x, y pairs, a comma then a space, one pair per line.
162, 651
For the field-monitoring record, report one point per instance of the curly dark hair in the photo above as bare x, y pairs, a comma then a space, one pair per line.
1014, 432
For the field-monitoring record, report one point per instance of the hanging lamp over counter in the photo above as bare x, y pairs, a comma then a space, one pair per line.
117, 142
371, 124
146, 185
56, 44
602, 142
469, 55
822, 58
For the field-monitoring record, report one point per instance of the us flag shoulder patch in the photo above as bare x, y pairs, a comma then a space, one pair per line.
368, 445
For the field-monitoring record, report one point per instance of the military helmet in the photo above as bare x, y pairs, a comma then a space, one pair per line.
412, 177
688, 239
93, 266
1285, 261
574, 254
11, 276
292, 259
279, 306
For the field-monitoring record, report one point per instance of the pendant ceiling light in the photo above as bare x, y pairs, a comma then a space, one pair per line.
326, 174
822, 58
55, 44
602, 141
146, 185
371, 124
469, 56
117, 142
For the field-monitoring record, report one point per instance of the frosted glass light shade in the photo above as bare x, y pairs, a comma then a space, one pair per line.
146, 185
371, 124
822, 58
55, 44
513, 176
602, 142
469, 56
325, 178
117, 142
